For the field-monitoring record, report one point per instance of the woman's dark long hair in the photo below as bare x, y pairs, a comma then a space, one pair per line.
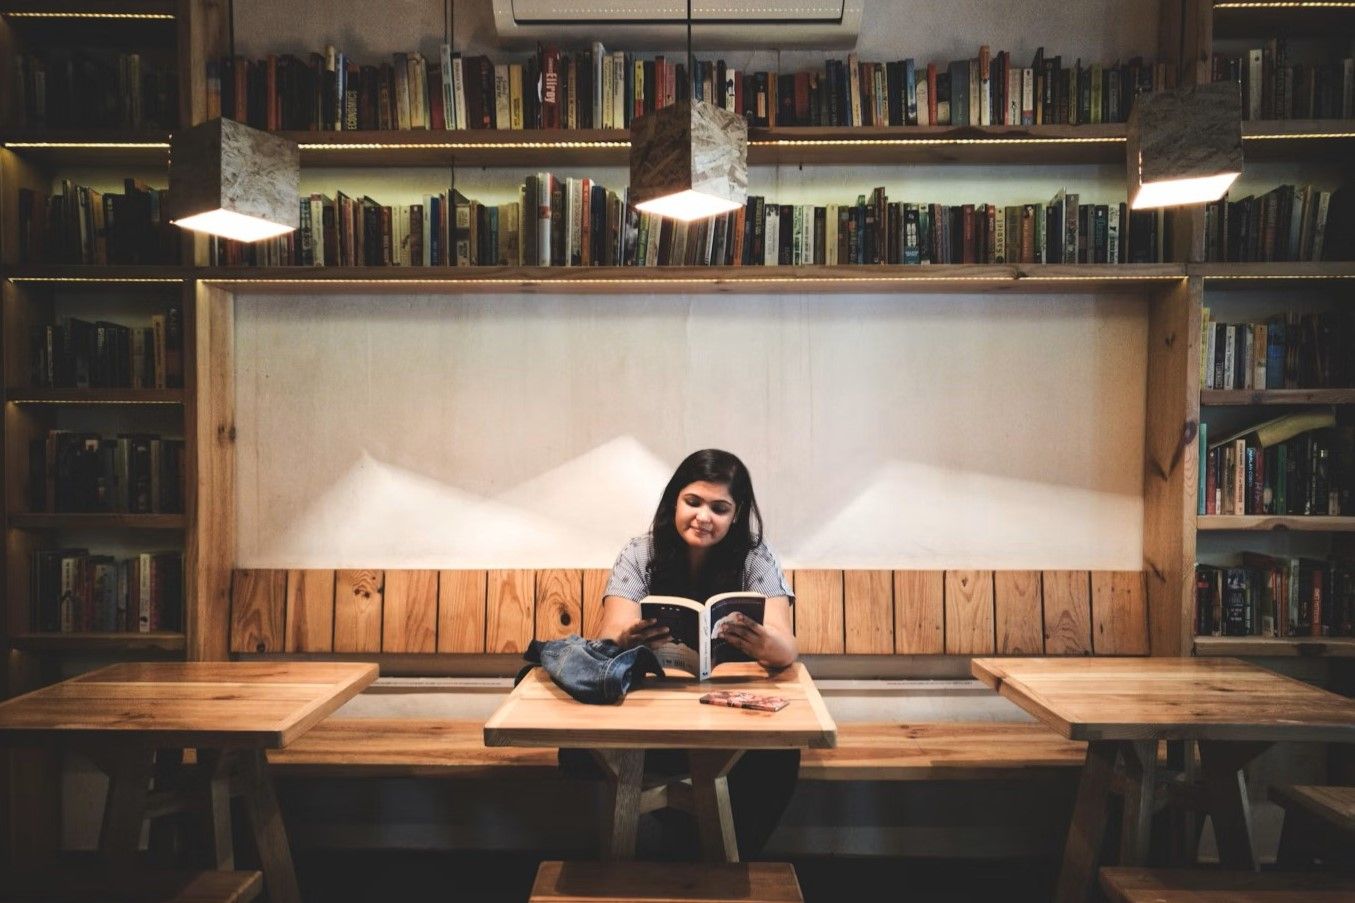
723, 568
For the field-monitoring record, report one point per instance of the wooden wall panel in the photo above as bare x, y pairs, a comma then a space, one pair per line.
969, 612
818, 612
409, 613
919, 612
310, 611
357, 610
461, 611
1119, 613
508, 610
257, 611
594, 585
1017, 613
559, 603
868, 612
1067, 613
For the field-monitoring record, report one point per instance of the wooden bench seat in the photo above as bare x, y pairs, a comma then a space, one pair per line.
100, 884
1137, 885
408, 747
669, 882
1319, 825
1333, 806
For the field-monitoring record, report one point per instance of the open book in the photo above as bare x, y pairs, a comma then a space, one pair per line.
690, 624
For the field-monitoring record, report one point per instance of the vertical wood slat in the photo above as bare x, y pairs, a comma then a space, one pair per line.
818, 612
594, 588
1067, 613
409, 612
868, 612
969, 613
1119, 613
919, 612
559, 603
509, 605
357, 610
258, 600
461, 611
1017, 614
310, 610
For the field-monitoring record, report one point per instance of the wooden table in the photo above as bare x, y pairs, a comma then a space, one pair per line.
662, 715
230, 712
1124, 706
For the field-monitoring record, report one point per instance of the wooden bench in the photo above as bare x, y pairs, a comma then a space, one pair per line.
100, 884
1319, 822
669, 882
1137, 885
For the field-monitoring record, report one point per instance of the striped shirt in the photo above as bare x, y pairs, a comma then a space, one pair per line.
630, 575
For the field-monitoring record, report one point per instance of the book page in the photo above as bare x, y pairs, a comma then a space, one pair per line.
682, 617
750, 605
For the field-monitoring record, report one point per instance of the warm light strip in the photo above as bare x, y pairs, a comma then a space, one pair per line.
1304, 135
87, 15
996, 140
108, 145
466, 145
690, 280
1301, 4
1244, 276
84, 402
96, 279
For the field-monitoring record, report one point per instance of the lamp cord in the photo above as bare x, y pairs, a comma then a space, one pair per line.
230, 27
691, 68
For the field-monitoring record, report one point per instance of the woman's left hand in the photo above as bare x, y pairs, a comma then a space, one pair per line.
754, 640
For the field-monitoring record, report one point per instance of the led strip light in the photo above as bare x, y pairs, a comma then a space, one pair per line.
88, 15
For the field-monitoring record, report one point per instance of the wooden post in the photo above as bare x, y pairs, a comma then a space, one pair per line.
710, 795
624, 769
1082, 851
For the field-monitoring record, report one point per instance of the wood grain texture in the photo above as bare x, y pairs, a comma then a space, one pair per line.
1139, 885
1018, 612
92, 883
509, 609
357, 610
919, 612
819, 626
1119, 613
665, 882
258, 600
868, 612
559, 603
969, 612
1067, 613
1333, 805
409, 614
461, 611
594, 586
310, 610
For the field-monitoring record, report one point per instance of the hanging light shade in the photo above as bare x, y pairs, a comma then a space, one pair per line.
689, 161
1184, 145
234, 181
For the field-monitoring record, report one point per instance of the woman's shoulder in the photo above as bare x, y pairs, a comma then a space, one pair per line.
638, 548
762, 553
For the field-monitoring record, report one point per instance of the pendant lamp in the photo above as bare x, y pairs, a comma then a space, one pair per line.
690, 160
1184, 145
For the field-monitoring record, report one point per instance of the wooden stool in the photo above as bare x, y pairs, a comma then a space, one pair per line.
670, 882
101, 884
1319, 822
1131, 885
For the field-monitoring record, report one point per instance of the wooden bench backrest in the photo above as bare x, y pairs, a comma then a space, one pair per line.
836, 612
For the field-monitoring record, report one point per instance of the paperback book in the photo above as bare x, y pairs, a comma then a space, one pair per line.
692, 646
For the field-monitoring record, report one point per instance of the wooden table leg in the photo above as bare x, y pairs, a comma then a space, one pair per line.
1226, 791
216, 804
1082, 850
1140, 765
624, 769
129, 784
710, 797
270, 835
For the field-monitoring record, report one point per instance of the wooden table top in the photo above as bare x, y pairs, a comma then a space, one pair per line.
1168, 698
213, 705
667, 714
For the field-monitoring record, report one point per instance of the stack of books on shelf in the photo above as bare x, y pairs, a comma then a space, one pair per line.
132, 473
1276, 597
1298, 464
78, 354
1287, 351
1287, 223
73, 591
576, 222
593, 88
1273, 87
61, 88
84, 226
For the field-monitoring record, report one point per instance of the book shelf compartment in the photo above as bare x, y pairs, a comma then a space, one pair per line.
1220, 397
1291, 646
77, 521
1267, 522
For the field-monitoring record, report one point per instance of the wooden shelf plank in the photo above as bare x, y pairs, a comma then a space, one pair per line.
95, 396
1289, 139
1225, 276
1262, 523
99, 147
1245, 19
1276, 396
15, 9
45, 521
1331, 647
164, 641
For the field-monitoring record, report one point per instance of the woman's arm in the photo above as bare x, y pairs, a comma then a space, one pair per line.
771, 643
622, 625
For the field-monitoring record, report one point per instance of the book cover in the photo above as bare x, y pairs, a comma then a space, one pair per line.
692, 645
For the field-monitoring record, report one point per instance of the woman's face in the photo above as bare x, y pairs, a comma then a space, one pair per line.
704, 513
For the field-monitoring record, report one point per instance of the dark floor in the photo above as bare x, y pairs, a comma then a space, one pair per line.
448, 877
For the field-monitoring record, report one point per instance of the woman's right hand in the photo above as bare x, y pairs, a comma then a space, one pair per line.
643, 631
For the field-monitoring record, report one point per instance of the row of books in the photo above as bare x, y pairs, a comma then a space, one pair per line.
62, 88
579, 223
1276, 597
1286, 223
132, 473
78, 354
82, 225
73, 591
1275, 88
593, 88
1312, 473
1287, 351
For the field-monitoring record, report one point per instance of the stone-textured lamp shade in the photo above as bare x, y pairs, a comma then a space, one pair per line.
689, 161
1184, 145
234, 181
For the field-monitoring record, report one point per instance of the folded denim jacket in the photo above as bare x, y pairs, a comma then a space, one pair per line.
593, 671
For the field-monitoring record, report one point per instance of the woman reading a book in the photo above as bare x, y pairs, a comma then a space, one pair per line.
706, 539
